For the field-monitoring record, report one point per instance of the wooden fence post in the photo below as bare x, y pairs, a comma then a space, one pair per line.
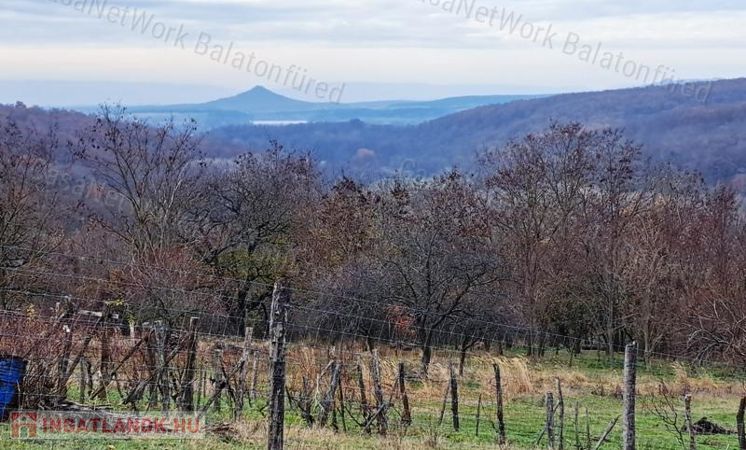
606, 434
499, 401
406, 418
305, 403
378, 393
83, 378
454, 397
342, 400
364, 408
577, 429
151, 362
689, 425
217, 374
630, 382
740, 425
561, 408
105, 361
550, 420
164, 382
445, 402
278, 320
64, 362
587, 429
327, 404
479, 413
254, 376
200, 388
186, 399
243, 372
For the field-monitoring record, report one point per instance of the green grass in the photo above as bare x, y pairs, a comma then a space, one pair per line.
524, 414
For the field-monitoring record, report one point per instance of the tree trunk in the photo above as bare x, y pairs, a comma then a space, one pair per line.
427, 353
462, 359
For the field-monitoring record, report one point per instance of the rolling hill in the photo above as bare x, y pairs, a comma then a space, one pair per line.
672, 126
709, 137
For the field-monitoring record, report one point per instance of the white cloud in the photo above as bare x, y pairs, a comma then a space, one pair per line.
369, 40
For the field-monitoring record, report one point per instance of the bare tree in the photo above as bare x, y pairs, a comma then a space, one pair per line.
248, 219
29, 225
435, 252
155, 169
537, 187
615, 200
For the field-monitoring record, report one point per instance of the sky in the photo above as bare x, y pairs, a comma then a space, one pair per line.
77, 52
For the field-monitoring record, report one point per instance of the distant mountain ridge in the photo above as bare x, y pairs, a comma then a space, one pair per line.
261, 104
708, 137
674, 127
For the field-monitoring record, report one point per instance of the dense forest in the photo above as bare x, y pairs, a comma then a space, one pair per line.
569, 231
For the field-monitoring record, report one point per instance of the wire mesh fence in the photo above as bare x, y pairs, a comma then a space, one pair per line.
344, 369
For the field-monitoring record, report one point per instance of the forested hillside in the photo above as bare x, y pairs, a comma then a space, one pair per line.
673, 127
566, 231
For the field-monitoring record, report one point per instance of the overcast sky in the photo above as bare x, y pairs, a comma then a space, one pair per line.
379, 48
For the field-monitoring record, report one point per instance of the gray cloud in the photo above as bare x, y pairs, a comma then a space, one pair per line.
328, 22
383, 40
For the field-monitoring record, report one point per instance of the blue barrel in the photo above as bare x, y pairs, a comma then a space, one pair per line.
12, 370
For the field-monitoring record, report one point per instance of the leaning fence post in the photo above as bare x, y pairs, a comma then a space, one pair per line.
278, 319
740, 425
606, 434
445, 402
406, 418
630, 380
499, 401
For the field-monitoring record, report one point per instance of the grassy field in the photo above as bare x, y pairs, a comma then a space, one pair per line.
590, 382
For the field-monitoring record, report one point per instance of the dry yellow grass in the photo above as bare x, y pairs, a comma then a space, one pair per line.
520, 376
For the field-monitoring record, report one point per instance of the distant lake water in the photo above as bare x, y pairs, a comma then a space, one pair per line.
277, 123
